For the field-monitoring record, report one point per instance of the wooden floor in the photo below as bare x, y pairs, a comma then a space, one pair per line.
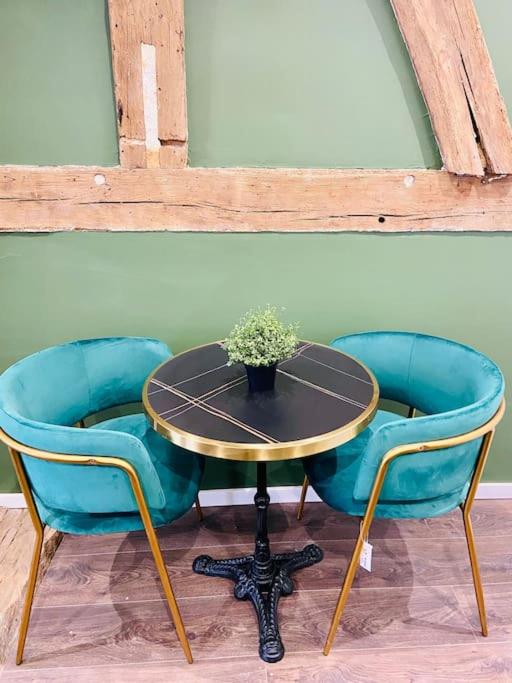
99, 613
16, 542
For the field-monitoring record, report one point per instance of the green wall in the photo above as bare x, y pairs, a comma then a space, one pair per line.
265, 87
56, 96
301, 83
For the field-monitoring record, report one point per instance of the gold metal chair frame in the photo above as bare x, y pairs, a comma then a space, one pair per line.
15, 450
487, 432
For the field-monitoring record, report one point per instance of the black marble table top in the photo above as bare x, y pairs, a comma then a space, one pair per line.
322, 398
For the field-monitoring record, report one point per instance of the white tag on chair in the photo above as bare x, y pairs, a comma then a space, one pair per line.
366, 556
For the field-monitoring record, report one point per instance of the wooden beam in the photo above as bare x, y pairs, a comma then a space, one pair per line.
147, 38
249, 200
455, 74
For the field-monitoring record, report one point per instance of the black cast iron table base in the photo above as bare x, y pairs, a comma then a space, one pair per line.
262, 577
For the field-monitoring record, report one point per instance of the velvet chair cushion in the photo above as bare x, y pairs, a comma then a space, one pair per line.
42, 396
458, 387
179, 472
333, 473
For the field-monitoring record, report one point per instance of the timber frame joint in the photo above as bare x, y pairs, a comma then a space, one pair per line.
154, 189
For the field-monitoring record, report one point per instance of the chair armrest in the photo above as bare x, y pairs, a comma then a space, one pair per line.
64, 483
446, 448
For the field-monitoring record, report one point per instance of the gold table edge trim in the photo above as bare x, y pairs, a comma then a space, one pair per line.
287, 450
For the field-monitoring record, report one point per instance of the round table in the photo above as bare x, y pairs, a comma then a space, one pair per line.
322, 399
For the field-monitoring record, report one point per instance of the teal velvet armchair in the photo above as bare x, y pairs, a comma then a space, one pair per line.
417, 466
116, 476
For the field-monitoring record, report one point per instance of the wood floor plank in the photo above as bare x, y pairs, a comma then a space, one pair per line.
481, 663
246, 670
218, 626
78, 579
498, 603
224, 525
74, 580
490, 518
485, 663
17, 538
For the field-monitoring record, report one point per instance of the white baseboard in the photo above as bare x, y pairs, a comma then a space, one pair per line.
291, 494
278, 494
494, 490
12, 500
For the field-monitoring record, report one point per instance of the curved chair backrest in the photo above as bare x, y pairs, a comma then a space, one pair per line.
458, 389
45, 394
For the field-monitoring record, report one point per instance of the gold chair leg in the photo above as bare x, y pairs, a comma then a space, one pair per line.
199, 509
36, 553
169, 593
300, 509
477, 581
160, 565
29, 597
349, 576
468, 527
356, 555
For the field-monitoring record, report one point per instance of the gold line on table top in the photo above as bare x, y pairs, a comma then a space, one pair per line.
223, 415
209, 394
323, 390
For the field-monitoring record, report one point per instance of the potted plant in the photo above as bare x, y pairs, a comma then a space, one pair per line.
259, 341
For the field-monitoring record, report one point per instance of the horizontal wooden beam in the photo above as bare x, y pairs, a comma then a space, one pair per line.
249, 200
456, 77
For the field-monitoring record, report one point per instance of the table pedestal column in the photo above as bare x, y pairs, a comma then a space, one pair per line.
262, 577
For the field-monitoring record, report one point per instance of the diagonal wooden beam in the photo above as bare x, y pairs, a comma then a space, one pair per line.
455, 74
147, 38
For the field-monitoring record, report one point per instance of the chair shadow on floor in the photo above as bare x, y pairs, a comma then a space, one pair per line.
393, 600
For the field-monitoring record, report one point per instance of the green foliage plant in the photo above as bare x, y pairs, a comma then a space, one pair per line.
261, 339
